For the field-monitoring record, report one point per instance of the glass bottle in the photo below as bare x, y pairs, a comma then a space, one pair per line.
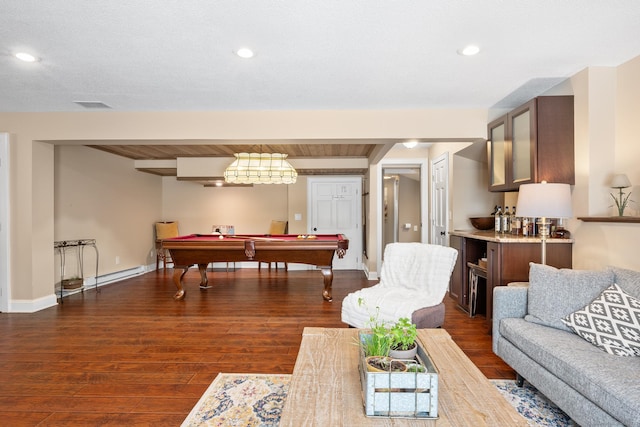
506, 217
498, 220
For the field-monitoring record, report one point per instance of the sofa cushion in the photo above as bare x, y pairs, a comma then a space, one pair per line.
555, 293
611, 322
610, 382
628, 280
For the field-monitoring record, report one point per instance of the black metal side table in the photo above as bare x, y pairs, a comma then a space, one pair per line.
62, 246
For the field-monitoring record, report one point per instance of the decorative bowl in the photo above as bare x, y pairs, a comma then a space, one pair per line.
483, 222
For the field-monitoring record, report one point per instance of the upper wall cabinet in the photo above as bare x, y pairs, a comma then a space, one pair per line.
532, 143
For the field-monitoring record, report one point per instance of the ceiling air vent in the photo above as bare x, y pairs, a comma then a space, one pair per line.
92, 105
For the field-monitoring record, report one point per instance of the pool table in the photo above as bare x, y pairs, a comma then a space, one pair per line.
202, 249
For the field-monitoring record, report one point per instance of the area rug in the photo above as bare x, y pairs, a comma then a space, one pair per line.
533, 405
248, 400
256, 400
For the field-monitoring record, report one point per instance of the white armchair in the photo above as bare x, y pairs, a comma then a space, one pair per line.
414, 279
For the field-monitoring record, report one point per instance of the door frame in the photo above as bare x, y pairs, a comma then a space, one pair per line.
5, 258
444, 157
421, 163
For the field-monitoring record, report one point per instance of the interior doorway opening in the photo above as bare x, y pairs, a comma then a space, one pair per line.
401, 197
418, 170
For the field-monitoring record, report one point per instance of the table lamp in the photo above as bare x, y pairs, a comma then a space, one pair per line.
544, 201
620, 181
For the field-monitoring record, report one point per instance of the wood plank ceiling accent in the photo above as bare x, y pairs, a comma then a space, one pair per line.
299, 150
164, 152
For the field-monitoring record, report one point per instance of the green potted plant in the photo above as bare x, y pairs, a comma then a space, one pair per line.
403, 339
376, 345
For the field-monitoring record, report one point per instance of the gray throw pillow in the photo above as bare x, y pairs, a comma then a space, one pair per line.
611, 322
555, 293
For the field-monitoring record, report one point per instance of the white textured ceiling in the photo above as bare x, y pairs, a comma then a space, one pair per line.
148, 55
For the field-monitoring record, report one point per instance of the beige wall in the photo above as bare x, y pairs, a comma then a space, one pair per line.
409, 209
607, 103
101, 196
197, 208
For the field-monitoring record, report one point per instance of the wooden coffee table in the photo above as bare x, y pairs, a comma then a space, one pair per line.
325, 387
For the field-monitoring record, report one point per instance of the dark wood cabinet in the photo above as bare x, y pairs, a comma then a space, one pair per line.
533, 143
507, 261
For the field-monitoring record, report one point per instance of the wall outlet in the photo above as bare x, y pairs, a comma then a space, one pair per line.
117, 260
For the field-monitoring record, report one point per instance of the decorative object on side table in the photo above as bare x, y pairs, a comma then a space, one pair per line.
620, 181
72, 283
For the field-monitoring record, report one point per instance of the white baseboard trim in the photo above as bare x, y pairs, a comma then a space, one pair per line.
371, 275
116, 276
31, 306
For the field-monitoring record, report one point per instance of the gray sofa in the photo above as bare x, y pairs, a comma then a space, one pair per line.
593, 387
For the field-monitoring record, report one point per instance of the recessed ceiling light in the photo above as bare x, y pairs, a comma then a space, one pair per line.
469, 50
410, 144
26, 57
245, 53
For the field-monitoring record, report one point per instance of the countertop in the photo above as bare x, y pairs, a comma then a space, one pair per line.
491, 236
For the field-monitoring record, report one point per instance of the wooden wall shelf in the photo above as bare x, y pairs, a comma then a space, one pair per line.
624, 219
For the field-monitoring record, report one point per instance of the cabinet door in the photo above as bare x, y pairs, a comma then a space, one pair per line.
522, 128
456, 288
494, 275
498, 149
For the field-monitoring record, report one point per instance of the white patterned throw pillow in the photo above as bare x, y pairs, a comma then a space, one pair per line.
611, 322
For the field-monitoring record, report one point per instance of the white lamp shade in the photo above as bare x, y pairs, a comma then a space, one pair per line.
620, 181
544, 200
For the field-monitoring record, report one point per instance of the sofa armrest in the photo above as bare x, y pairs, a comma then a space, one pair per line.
508, 301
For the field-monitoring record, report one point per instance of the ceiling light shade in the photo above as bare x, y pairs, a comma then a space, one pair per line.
544, 201
245, 53
260, 168
410, 144
620, 181
469, 50
26, 57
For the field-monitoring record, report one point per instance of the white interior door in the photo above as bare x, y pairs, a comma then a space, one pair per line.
335, 206
440, 199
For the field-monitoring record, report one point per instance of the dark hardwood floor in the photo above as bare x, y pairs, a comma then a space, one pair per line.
131, 355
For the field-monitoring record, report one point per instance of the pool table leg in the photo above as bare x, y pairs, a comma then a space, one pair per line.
178, 274
327, 272
204, 282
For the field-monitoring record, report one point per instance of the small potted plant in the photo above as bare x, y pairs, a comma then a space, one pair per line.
376, 346
403, 339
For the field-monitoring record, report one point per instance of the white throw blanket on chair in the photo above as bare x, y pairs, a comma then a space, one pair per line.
413, 276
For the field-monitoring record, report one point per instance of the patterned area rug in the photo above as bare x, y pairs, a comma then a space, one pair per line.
533, 405
257, 400
246, 400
